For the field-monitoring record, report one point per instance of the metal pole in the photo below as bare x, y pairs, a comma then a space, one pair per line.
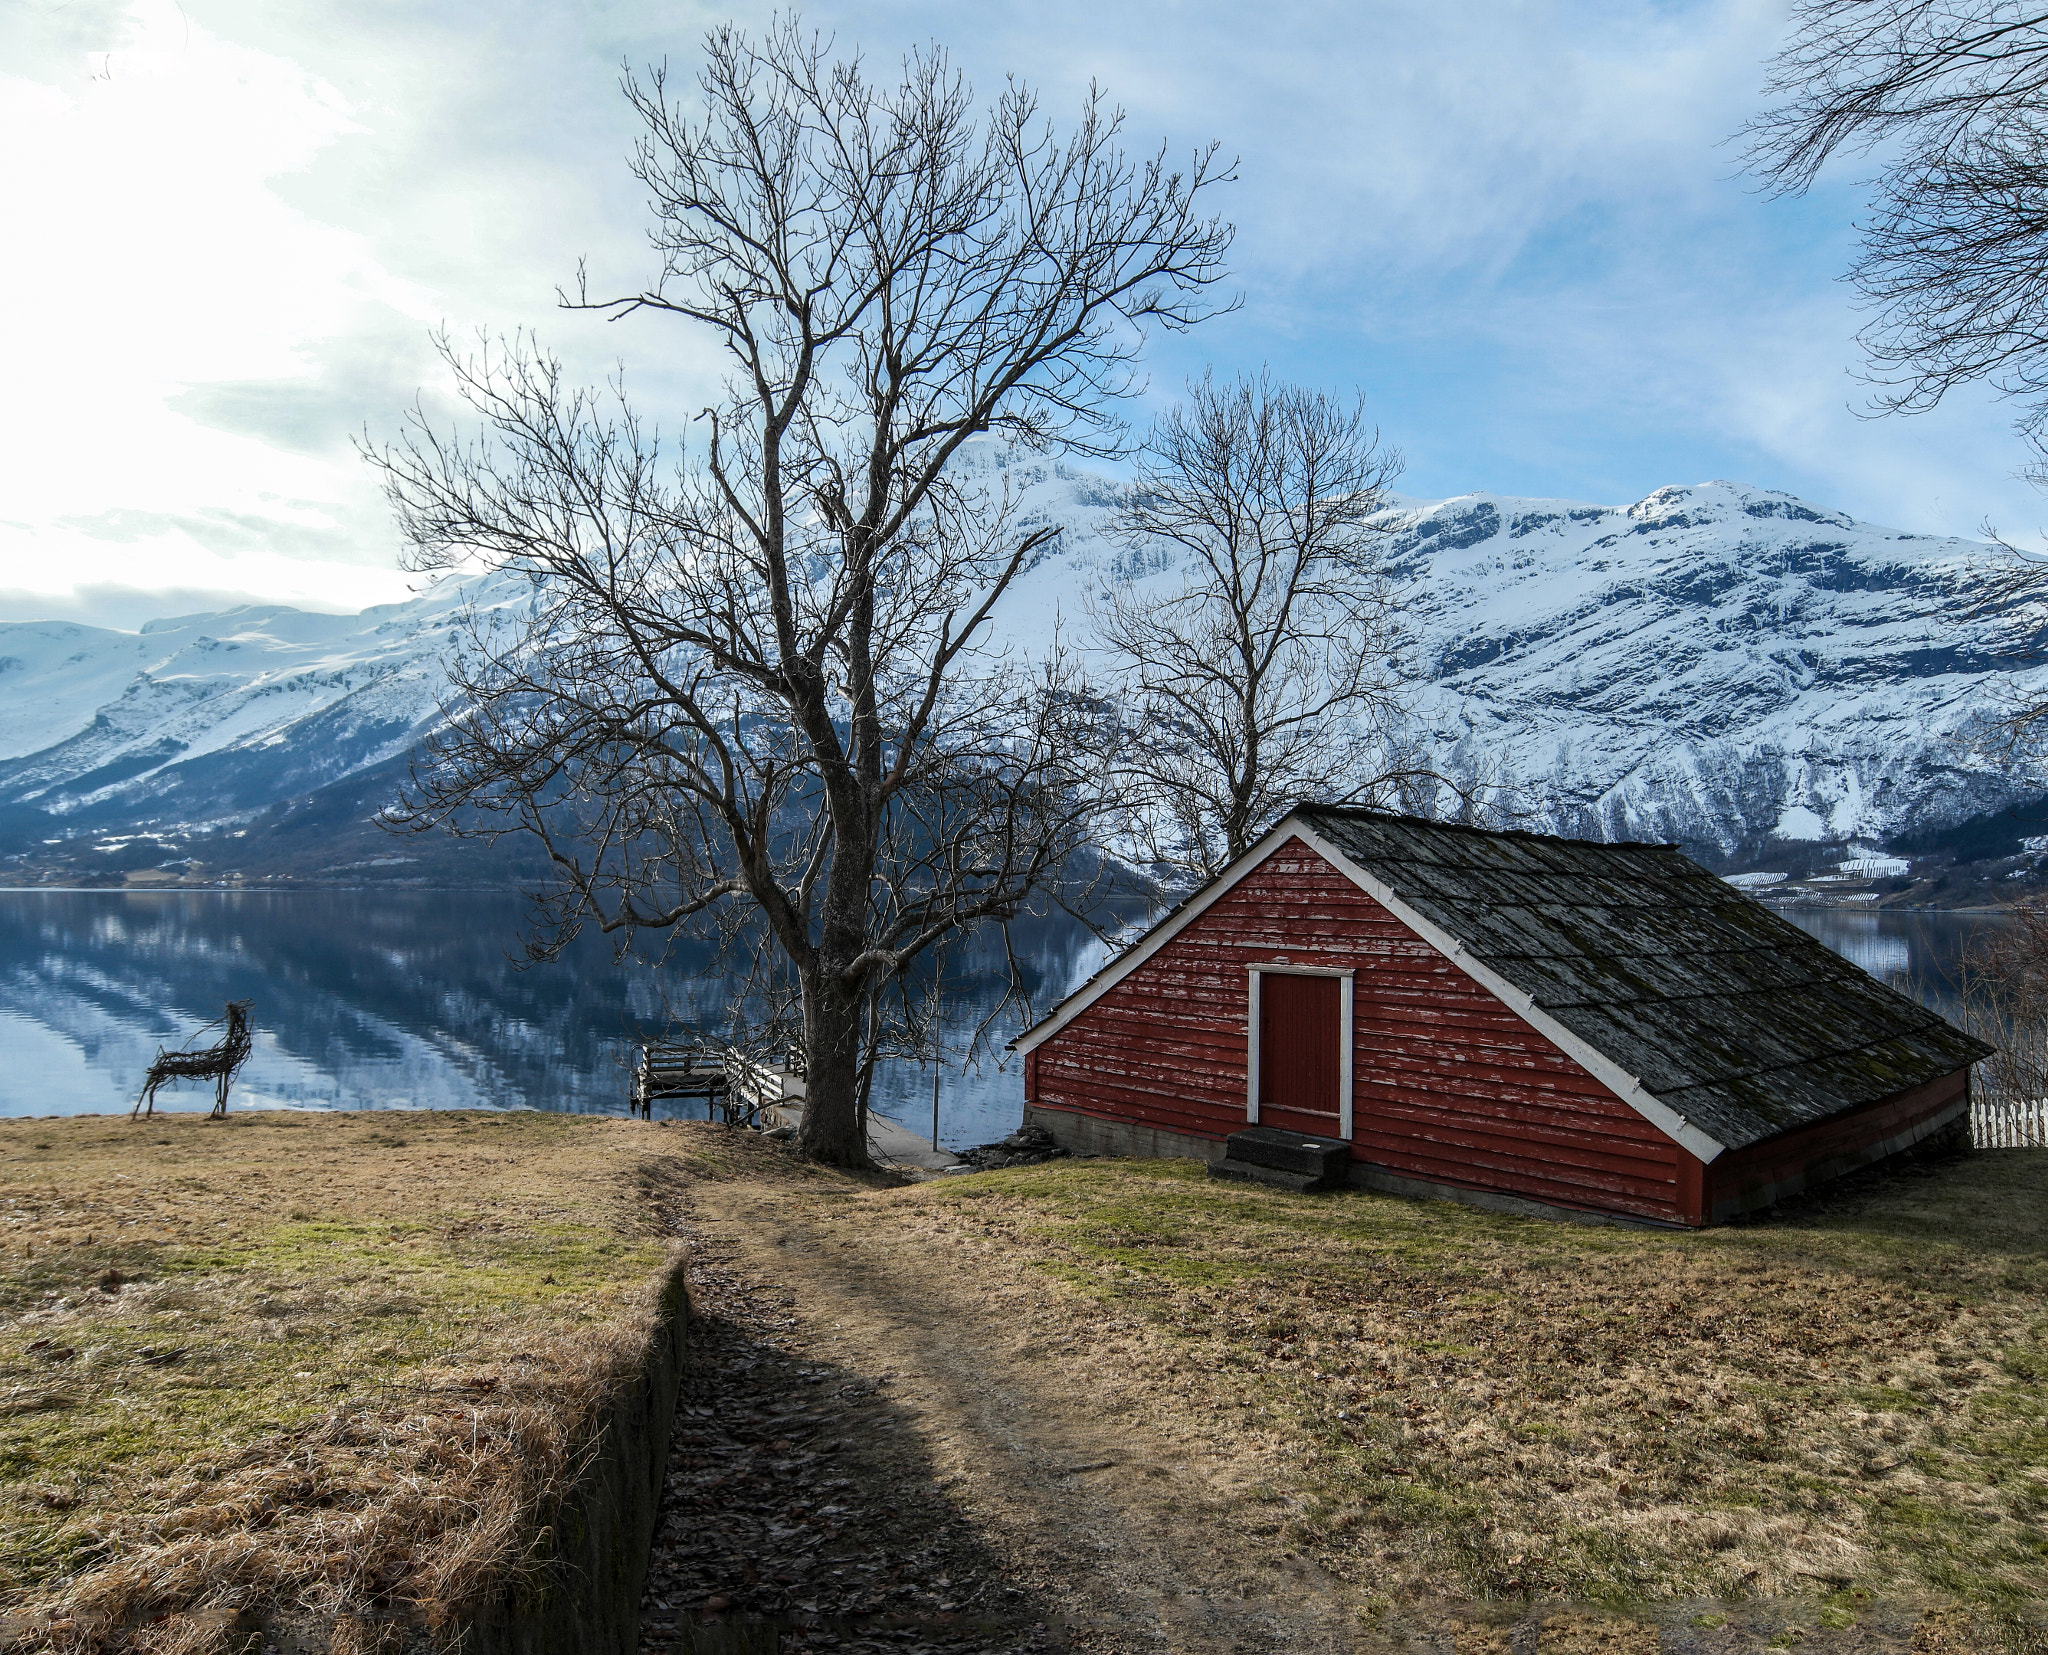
935, 1101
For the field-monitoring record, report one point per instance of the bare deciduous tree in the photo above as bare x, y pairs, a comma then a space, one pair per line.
1998, 991
1259, 668
755, 686
1954, 94
1955, 250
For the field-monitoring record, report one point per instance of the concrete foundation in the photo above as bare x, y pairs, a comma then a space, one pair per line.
1086, 1135
1366, 1177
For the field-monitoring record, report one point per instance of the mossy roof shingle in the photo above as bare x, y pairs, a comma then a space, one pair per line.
1728, 1014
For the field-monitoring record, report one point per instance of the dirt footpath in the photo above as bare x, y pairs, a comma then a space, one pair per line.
872, 1434
894, 1437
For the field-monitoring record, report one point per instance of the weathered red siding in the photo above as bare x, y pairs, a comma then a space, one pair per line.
1449, 1085
1745, 1179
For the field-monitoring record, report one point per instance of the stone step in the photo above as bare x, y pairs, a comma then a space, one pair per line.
1250, 1172
1268, 1146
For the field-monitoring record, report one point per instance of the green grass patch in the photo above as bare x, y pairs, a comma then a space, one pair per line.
1847, 1400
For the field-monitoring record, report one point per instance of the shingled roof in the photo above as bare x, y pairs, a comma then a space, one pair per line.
1727, 1014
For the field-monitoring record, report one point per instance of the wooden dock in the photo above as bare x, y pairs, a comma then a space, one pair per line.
734, 1085
676, 1072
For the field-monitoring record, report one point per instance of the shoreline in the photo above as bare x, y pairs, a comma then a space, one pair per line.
480, 890
894, 1144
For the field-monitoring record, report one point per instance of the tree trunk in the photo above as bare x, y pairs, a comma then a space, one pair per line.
831, 1132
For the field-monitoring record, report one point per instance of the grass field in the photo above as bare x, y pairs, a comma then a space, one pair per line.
331, 1367
313, 1365
1842, 1403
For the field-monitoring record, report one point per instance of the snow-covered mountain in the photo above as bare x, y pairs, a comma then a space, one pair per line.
118, 749
1724, 666
1728, 667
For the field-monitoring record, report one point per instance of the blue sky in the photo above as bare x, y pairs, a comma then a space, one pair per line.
1517, 227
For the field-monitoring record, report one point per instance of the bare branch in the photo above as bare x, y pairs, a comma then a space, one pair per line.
1954, 267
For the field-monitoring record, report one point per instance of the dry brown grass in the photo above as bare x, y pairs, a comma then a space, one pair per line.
317, 1367
1444, 1402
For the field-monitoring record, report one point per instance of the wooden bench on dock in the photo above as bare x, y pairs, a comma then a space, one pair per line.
677, 1072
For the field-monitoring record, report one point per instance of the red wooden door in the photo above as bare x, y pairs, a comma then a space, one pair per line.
1300, 1074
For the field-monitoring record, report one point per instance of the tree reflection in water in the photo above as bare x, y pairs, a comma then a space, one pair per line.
401, 999
410, 999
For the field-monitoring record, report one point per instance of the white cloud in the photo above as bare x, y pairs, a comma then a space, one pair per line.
1515, 226
164, 259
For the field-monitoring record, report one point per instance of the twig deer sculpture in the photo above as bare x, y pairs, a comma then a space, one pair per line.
216, 1063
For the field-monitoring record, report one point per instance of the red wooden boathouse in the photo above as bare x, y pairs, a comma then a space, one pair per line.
1505, 1018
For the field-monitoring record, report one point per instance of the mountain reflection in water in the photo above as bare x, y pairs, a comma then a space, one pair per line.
1914, 949
409, 1000
399, 1000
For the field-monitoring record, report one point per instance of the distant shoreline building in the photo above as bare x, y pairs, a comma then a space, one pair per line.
1502, 1018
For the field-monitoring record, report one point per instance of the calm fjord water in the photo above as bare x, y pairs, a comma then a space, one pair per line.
409, 999
397, 1000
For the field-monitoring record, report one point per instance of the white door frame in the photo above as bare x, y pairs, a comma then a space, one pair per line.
1345, 996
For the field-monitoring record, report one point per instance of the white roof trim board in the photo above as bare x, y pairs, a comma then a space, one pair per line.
1152, 941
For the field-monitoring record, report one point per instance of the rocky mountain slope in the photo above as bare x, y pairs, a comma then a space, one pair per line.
1726, 667
1773, 684
128, 754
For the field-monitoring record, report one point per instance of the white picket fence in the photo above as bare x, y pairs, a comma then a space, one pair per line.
2019, 1124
